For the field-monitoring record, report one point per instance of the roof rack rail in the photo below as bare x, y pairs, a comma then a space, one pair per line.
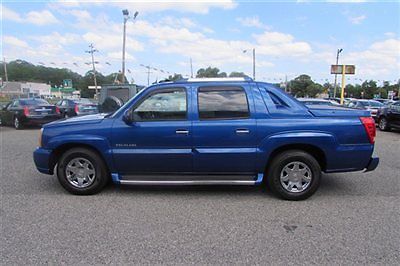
215, 79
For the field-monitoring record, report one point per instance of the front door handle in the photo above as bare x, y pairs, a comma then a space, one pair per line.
182, 131
242, 131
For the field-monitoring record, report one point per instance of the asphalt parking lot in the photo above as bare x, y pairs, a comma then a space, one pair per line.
354, 218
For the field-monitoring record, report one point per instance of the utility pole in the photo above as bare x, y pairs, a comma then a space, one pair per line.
125, 12
337, 62
286, 84
254, 63
92, 51
191, 68
5, 68
148, 75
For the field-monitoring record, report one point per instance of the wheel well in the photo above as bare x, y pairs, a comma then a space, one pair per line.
59, 151
316, 152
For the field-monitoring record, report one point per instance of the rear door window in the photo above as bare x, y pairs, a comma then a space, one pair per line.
222, 103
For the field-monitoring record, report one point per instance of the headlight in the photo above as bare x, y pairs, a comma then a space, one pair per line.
40, 137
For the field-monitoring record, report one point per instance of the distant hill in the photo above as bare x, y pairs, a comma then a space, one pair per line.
20, 70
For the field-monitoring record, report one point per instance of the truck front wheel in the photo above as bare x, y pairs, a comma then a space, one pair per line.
294, 175
82, 171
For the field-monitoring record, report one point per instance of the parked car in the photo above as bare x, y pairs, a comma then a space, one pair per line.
314, 101
389, 117
28, 111
231, 131
383, 101
76, 107
370, 105
337, 100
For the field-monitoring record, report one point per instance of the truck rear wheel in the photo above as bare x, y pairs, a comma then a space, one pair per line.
294, 175
81, 171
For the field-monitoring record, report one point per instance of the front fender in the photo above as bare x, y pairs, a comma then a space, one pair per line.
323, 141
99, 143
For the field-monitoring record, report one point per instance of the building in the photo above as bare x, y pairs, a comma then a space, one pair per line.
33, 89
14, 89
11, 89
59, 92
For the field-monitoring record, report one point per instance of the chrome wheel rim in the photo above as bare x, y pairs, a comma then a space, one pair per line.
295, 177
80, 172
16, 123
382, 123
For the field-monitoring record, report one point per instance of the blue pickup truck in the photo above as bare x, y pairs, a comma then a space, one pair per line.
232, 131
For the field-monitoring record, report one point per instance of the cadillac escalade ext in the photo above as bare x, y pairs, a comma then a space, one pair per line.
207, 132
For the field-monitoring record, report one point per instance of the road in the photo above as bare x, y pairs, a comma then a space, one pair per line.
354, 218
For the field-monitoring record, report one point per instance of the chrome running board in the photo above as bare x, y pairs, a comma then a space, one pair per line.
187, 182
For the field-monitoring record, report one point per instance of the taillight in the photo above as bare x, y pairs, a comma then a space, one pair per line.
26, 110
370, 129
76, 109
57, 110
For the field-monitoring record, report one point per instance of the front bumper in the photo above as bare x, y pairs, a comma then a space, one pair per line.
42, 159
372, 165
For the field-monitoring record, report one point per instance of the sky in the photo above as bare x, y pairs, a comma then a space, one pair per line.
290, 37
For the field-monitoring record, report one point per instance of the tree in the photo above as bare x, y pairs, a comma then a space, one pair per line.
235, 74
303, 86
314, 89
175, 77
328, 88
210, 72
369, 88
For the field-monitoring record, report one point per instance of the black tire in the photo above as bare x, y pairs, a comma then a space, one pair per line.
280, 161
101, 173
383, 124
17, 123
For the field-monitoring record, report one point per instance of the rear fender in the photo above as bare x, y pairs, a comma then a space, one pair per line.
322, 141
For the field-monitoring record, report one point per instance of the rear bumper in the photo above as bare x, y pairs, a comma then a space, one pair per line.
42, 158
372, 165
40, 120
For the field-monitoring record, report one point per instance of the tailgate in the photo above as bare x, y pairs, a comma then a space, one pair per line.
338, 112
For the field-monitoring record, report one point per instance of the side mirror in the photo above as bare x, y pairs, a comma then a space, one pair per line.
127, 117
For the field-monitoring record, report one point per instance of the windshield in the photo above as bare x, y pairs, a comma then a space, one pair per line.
33, 102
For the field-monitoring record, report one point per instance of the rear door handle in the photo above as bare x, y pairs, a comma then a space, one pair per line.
182, 131
242, 131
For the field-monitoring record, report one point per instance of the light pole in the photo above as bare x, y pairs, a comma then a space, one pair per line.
254, 62
337, 62
125, 12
